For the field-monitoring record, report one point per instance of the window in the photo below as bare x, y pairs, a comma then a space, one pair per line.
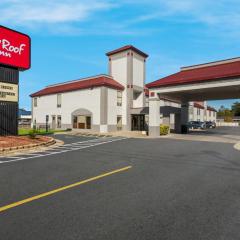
35, 102
198, 111
210, 113
75, 120
59, 100
59, 121
119, 98
119, 123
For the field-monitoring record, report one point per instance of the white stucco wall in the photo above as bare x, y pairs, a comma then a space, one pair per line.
112, 107
71, 101
119, 68
196, 116
138, 70
211, 116
138, 103
119, 73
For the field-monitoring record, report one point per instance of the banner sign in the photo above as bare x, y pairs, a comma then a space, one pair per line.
15, 49
8, 92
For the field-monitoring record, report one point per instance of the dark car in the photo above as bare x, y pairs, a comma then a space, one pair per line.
196, 125
210, 124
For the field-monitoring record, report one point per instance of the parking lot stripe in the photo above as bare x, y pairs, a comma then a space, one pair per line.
27, 200
58, 150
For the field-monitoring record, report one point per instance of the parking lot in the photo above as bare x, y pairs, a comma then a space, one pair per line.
117, 188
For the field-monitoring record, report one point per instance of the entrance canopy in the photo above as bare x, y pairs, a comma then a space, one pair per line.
211, 81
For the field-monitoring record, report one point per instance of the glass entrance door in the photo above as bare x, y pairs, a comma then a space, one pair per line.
138, 122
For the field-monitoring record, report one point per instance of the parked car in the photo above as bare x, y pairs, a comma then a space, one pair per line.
210, 124
196, 125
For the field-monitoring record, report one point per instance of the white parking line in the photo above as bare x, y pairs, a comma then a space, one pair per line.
68, 148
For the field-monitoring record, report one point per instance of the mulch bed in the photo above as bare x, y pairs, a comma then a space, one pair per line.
15, 141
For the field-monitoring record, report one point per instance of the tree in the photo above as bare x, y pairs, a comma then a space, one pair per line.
226, 113
236, 109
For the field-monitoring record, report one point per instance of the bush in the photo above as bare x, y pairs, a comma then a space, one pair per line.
32, 133
164, 129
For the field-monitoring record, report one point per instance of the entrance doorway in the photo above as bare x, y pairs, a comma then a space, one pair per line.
138, 122
53, 122
82, 122
119, 123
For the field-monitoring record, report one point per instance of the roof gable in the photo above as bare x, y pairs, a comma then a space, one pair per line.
200, 74
125, 48
97, 81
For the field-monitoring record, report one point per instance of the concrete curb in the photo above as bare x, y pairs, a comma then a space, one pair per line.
28, 146
237, 146
112, 134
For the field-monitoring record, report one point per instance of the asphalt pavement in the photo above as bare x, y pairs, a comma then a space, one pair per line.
124, 189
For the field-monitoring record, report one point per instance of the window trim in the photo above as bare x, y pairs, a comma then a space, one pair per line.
59, 99
35, 102
119, 98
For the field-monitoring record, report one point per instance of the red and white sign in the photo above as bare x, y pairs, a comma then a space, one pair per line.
15, 49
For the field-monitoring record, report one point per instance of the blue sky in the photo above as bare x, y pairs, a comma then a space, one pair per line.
70, 37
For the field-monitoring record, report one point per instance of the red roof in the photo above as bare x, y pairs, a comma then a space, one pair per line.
97, 81
125, 48
200, 74
146, 91
197, 105
211, 109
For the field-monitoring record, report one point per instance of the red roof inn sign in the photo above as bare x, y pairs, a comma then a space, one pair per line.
15, 49
15, 52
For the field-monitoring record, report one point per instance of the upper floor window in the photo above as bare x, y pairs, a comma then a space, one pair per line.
119, 98
35, 102
59, 100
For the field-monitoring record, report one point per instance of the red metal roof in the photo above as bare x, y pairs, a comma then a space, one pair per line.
97, 81
125, 48
197, 105
200, 74
211, 109
146, 91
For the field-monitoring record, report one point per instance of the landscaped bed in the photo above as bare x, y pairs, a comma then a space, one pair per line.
17, 141
24, 131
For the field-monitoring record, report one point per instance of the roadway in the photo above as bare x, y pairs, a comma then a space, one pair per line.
115, 188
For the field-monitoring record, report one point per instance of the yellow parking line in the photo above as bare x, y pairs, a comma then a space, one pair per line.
27, 200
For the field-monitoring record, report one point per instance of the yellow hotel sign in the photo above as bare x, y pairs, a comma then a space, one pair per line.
8, 92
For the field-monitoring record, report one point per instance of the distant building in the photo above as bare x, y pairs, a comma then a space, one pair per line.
235, 119
201, 112
24, 117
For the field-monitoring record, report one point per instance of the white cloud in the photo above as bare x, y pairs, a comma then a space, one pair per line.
123, 17
220, 13
27, 12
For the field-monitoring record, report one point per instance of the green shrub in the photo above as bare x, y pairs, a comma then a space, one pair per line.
32, 133
164, 129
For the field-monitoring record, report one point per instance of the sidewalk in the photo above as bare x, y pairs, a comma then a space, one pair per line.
206, 138
127, 134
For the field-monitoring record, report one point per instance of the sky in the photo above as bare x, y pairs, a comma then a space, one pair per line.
70, 37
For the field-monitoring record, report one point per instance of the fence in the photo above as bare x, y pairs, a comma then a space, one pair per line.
227, 124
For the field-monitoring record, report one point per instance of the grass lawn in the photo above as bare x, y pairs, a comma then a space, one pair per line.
23, 131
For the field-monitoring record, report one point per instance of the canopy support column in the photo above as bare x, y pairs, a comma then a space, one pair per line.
154, 116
